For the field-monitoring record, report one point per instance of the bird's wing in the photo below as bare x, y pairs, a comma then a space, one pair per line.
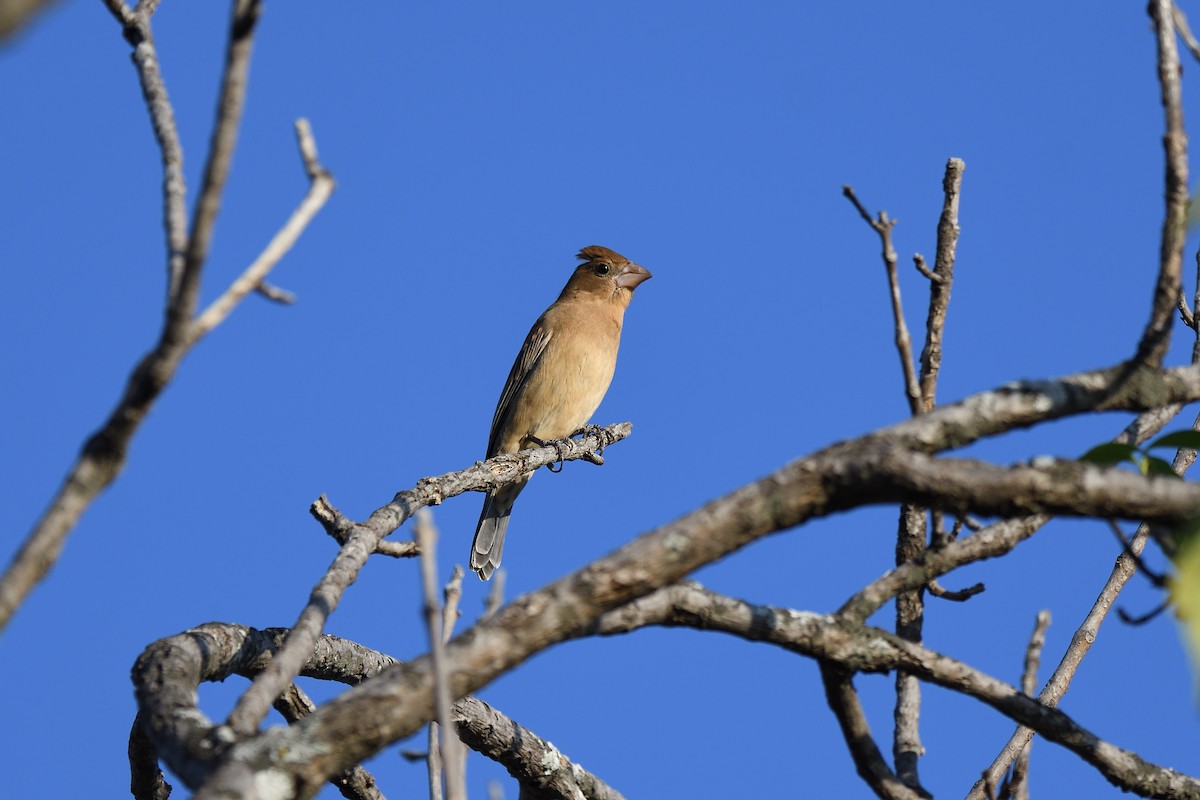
522, 368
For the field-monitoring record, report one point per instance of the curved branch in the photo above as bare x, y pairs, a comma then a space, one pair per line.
168, 672
864, 649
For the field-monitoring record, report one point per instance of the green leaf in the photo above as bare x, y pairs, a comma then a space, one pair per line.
1152, 465
1109, 453
1188, 439
1185, 593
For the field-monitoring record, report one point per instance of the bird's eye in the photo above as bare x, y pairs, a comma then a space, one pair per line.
601, 269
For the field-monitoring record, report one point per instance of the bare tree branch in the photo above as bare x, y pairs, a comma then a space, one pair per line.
1018, 787
954, 595
910, 620
495, 596
543, 771
319, 190
339, 526
399, 701
1089, 629
883, 226
360, 540
146, 780
923, 268
172, 668
912, 534
1157, 336
994, 540
104, 454
1185, 30
354, 783
448, 747
868, 760
869, 650
275, 293
939, 289
182, 301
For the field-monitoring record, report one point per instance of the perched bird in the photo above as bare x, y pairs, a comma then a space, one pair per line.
559, 378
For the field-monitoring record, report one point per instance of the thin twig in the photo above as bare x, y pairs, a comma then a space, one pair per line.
320, 188
1185, 313
1189, 318
923, 268
1142, 619
275, 293
1185, 30
182, 304
454, 757
955, 595
426, 536
991, 542
939, 290
883, 226
451, 595
1157, 579
495, 596
339, 527
1018, 785
137, 31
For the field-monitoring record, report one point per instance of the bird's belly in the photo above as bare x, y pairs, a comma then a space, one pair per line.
567, 397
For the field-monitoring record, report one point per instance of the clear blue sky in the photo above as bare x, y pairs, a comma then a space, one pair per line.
477, 147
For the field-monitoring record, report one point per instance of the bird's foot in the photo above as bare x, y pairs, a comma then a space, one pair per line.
558, 448
596, 456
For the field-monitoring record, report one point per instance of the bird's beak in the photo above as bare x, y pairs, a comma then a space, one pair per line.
631, 275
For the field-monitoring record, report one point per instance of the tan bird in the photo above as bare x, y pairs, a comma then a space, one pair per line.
559, 378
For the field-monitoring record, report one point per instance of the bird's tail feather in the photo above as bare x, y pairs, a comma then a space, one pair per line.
489, 534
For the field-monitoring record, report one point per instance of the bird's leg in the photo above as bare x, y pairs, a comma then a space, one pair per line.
596, 456
558, 448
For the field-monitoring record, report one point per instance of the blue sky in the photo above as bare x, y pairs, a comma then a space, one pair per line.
477, 147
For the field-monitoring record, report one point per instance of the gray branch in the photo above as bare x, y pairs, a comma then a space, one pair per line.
169, 671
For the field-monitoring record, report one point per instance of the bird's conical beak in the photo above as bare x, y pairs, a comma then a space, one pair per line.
631, 275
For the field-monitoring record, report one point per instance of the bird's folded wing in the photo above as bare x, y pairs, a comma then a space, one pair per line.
523, 367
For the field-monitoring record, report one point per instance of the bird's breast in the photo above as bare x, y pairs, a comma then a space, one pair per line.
571, 377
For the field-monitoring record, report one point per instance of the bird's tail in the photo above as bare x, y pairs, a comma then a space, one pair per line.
489, 533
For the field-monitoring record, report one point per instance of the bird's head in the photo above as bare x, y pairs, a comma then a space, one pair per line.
606, 274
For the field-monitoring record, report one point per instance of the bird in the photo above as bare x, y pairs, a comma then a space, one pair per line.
558, 379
